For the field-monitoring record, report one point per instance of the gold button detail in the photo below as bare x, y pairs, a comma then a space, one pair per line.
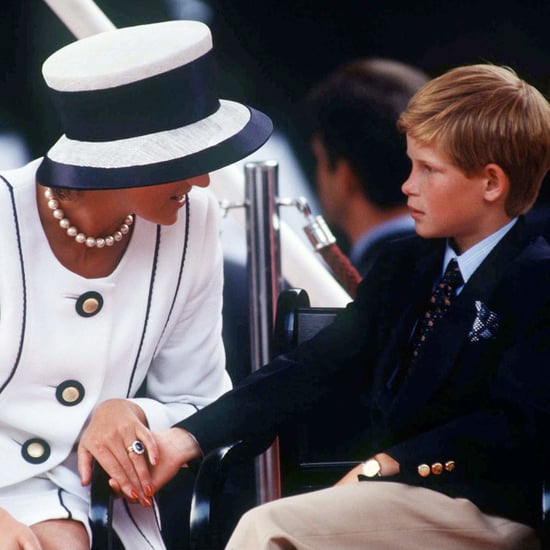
90, 305
36, 450
424, 470
437, 468
70, 394
450, 465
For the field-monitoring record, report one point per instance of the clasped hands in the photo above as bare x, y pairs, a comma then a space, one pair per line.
113, 437
140, 462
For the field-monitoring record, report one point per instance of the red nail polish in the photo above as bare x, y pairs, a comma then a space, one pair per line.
134, 494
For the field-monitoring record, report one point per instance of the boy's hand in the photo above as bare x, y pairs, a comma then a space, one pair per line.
114, 426
388, 467
176, 448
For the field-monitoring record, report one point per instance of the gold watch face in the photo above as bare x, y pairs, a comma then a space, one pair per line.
371, 468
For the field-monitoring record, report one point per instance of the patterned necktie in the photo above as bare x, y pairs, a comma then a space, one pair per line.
440, 301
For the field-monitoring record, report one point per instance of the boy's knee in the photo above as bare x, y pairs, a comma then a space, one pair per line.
262, 515
259, 529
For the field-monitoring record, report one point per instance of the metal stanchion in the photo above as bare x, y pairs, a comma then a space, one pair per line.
264, 273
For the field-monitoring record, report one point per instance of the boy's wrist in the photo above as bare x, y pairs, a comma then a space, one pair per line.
388, 465
186, 444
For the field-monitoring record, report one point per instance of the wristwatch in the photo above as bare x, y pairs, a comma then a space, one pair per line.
371, 468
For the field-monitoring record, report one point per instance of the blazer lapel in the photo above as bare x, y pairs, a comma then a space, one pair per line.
415, 295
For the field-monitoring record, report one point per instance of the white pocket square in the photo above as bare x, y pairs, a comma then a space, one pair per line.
485, 324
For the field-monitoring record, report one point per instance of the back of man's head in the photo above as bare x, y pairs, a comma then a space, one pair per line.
354, 112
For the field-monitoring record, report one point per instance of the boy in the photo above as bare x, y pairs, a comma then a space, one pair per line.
454, 386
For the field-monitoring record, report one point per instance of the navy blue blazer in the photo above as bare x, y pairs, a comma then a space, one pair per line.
481, 408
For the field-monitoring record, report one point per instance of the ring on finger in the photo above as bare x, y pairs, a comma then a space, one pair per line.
136, 447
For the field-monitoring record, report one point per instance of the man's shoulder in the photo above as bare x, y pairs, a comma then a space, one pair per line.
538, 222
535, 257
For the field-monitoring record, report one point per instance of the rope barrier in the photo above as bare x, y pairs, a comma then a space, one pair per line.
342, 269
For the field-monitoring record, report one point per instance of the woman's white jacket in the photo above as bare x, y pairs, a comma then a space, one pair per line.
67, 342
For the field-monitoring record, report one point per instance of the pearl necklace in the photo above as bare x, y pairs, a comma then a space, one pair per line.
72, 231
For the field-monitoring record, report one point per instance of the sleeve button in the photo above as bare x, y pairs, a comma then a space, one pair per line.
450, 465
424, 470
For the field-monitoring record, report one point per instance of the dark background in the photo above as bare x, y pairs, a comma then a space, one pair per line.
269, 55
271, 52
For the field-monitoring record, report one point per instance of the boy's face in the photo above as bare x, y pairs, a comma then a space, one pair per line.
442, 200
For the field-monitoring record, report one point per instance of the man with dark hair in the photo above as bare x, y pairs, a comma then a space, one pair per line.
360, 156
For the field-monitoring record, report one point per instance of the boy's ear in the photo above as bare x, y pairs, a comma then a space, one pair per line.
497, 184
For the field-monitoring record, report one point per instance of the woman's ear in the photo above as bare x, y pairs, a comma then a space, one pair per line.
497, 183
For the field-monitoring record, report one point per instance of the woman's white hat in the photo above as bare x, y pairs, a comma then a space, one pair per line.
139, 107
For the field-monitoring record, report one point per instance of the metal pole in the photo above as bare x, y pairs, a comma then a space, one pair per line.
82, 17
265, 283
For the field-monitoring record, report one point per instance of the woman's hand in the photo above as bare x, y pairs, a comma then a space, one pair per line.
15, 535
388, 467
113, 427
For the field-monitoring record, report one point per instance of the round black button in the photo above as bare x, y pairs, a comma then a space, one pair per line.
35, 451
70, 393
89, 304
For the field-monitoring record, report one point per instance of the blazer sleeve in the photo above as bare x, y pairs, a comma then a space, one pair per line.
333, 362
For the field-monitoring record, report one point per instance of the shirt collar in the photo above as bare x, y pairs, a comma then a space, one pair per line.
470, 260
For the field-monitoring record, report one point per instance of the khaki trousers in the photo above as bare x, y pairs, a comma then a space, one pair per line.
377, 515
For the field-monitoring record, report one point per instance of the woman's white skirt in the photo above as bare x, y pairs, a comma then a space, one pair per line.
58, 494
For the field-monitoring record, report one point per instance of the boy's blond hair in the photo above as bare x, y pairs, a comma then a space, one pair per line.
481, 114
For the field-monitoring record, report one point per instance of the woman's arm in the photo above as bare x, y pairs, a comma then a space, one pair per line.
188, 369
187, 372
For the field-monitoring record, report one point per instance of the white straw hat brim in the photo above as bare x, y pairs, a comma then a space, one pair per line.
164, 146
195, 159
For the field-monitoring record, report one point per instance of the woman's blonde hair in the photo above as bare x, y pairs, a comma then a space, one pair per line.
482, 114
